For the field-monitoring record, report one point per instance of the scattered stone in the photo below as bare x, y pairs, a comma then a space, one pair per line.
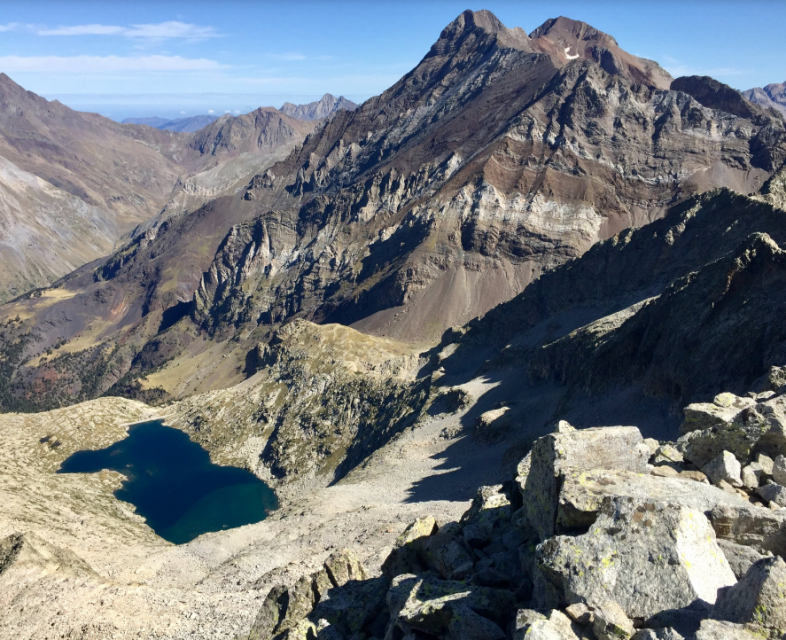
652, 444
557, 454
779, 470
663, 633
580, 613
722, 410
343, 566
717, 630
445, 553
751, 526
353, 605
759, 598
30, 553
468, 625
671, 550
408, 548
773, 493
724, 467
554, 626
752, 476
583, 492
740, 557
611, 623
668, 454
492, 426
766, 463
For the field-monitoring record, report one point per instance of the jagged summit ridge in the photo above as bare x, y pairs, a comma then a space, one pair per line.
319, 109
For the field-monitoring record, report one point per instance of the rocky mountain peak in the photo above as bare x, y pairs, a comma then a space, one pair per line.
566, 40
318, 109
475, 28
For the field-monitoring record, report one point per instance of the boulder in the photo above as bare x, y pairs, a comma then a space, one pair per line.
406, 556
758, 599
766, 464
667, 454
531, 625
283, 609
468, 625
663, 633
428, 605
30, 553
611, 623
773, 493
492, 426
706, 415
752, 476
580, 613
739, 556
724, 467
717, 630
669, 548
445, 553
700, 447
557, 454
583, 492
779, 470
353, 605
343, 566
755, 527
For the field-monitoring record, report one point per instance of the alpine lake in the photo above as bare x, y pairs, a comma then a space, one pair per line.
174, 485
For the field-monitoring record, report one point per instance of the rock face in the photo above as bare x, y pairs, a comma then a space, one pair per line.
556, 456
758, 599
319, 109
401, 219
671, 551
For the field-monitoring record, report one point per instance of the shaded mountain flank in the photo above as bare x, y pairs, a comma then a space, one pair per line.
498, 158
318, 109
73, 184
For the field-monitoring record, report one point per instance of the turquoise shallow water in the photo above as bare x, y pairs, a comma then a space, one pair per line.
174, 485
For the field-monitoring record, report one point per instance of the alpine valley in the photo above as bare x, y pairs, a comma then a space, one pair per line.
422, 320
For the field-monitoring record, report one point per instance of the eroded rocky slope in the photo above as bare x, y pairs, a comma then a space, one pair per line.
498, 157
74, 184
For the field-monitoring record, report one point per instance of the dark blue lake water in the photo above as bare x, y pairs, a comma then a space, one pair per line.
174, 485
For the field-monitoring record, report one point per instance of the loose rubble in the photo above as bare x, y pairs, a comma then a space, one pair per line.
600, 535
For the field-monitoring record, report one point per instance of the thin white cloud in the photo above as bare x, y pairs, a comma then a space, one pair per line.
676, 68
211, 111
8, 27
287, 56
105, 64
160, 31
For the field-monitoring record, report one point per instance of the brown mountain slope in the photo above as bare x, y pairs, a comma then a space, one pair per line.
489, 163
772, 96
102, 179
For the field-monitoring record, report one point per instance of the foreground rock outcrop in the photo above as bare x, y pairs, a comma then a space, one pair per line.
641, 565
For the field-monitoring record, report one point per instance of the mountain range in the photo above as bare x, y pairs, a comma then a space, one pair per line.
183, 125
439, 296
772, 96
76, 183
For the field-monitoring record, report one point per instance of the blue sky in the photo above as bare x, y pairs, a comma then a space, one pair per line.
182, 58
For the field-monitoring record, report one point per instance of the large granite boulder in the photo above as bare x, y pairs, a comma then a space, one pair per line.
758, 599
646, 556
756, 527
558, 454
582, 493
